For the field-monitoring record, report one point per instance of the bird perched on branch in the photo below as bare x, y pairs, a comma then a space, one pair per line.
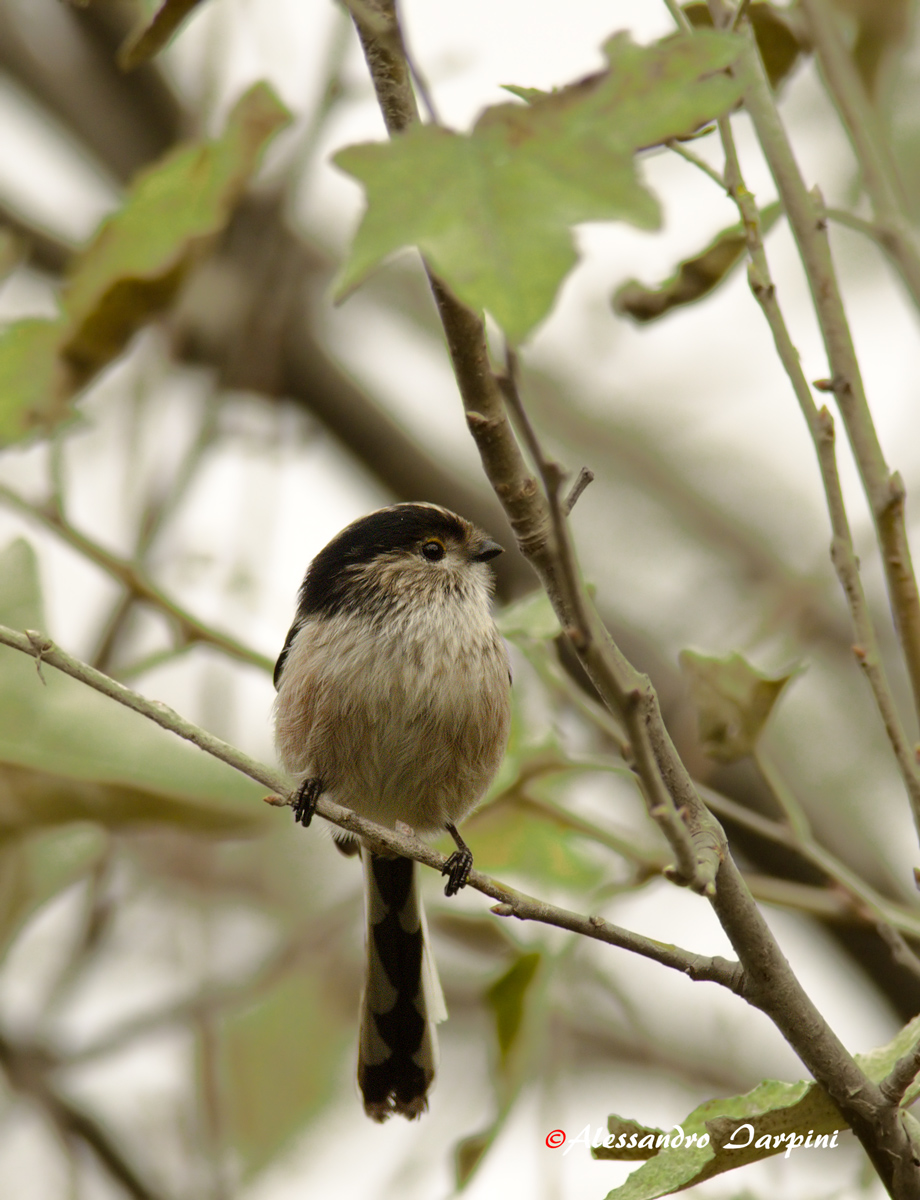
393, 700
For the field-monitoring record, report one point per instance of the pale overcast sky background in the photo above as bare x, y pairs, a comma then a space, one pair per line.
705, 384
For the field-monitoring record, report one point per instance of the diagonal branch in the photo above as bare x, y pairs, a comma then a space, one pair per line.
902, 1074
884, 489
769, 982
878, 167
27, 1069
821, 427
510, 902
122, 121
136, 581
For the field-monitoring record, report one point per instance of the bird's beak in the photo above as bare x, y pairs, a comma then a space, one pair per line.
485, 550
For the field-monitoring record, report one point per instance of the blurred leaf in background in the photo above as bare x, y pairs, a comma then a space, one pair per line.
181, 966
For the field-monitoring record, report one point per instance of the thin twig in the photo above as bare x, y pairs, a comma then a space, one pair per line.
339, 43
547, 667
770, 983
899, 948
155, 514
422, 86
864, 901
584, 477
211, 1103
740, 13
650, 861
136, 580
867, 904
869, 229
661, 806
681, 20
804, 210
635, 704
785, 798
700, 163
821, 427
877, 164
27, 1069
901, 1075
220, 998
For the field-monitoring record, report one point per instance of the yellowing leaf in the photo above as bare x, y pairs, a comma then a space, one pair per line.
733, 701
31, 798
506, 839
695, 277
35, 385
518, 1003
493, 210
630, 1140
468, 1155
506, 998
132, 267
778, 39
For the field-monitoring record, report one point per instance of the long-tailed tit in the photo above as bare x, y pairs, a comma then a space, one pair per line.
393, 700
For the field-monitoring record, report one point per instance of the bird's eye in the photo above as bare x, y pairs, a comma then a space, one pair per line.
433, 550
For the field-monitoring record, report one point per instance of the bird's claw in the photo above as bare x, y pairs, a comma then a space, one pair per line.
305, 799
457, 869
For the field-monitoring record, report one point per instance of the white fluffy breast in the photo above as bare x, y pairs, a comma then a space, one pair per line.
404, 719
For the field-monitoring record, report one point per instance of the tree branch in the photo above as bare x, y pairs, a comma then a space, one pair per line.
135, 580
637, 706
769, 981
510, 902
27, 1069
804, 210
123, 121
873, 154
821, 427
902, 1075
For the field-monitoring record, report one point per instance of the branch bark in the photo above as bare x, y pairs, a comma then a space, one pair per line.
821, 428
510, 903
770, 983
805, 212
877, 164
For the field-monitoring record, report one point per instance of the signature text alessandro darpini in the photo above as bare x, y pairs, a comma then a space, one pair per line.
743, 1137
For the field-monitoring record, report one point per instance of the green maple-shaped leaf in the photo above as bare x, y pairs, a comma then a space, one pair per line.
138, 257
132, 267
744, 1129
492, 210
767, 1115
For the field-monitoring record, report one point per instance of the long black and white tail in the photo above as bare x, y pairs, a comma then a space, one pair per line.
402, 1002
